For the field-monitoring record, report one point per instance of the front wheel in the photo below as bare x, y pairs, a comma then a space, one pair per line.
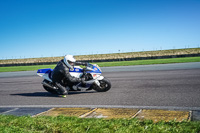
105, 85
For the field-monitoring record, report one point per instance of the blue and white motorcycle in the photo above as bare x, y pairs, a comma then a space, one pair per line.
91, 72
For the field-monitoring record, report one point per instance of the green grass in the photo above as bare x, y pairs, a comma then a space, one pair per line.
61, 124
149, 62
108, 64
25, 68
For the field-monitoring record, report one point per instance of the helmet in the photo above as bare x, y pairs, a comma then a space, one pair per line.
69, 60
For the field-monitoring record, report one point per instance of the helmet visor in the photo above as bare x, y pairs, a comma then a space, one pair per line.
71, 63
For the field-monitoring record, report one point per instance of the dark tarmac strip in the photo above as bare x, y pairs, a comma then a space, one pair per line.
22, 111
160, 87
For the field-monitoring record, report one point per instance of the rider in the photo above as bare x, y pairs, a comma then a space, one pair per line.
62, 71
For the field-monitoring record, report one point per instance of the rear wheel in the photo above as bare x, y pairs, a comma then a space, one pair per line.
105, 85
50, 90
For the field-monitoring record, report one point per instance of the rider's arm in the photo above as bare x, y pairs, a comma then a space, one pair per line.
69, 77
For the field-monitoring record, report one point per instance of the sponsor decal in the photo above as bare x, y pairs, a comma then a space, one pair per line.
94, 75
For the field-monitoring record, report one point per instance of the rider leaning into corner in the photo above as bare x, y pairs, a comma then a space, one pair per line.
62, 71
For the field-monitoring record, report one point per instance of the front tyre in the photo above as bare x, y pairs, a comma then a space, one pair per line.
105, 85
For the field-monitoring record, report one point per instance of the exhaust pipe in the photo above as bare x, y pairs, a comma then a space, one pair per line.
48, 85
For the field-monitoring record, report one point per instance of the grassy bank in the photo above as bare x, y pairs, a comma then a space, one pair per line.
61, 124
107, 56
108, 64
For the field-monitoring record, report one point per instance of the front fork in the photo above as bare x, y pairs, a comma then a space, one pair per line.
97, 81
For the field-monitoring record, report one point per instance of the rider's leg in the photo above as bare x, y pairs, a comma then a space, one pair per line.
62, 90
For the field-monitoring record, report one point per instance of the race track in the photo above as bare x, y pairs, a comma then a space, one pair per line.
170, 85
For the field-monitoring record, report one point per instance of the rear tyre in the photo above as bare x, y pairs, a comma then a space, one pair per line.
105, 85
50, 90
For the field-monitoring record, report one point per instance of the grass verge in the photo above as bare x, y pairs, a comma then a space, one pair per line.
61, 124
108, 64
149, 62
25, 68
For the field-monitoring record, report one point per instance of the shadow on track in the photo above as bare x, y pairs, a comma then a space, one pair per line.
47, 94
35, 94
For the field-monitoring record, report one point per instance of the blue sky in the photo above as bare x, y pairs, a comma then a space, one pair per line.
46, 28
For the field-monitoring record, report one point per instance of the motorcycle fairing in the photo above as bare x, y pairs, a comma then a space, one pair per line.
95, 71
45, 73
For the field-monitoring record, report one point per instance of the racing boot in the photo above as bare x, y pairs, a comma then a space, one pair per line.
64, 96
66, 93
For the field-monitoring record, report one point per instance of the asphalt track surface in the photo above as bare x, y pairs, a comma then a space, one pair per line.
169, 86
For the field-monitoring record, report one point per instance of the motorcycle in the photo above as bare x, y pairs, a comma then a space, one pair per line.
91, 73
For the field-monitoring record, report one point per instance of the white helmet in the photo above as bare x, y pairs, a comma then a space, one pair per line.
69, 60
